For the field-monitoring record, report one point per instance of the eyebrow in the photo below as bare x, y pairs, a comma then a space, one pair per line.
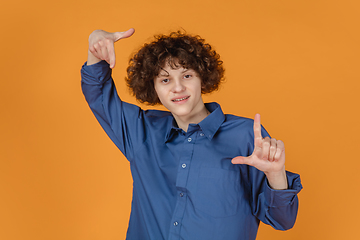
163, 74
166, 74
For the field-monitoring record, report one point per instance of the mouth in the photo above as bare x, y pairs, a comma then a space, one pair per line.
180, 99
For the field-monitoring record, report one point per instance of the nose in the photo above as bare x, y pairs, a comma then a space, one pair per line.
178, 86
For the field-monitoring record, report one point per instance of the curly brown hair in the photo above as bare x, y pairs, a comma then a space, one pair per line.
175, 49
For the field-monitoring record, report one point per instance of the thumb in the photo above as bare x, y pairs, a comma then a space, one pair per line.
242, 160
119, 35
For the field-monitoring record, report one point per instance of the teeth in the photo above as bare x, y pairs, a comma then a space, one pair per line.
180, 99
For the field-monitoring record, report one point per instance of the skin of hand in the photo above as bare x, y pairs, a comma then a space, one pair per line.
101, 45
268, 156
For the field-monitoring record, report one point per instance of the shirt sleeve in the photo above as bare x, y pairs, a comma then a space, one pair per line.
277, 208
282, 205
122, 122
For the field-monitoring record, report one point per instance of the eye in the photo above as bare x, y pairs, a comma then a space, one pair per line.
166, 80
187, 76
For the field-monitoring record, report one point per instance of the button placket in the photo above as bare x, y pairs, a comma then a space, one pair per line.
181, 181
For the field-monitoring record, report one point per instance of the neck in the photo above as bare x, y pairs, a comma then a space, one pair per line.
184, 121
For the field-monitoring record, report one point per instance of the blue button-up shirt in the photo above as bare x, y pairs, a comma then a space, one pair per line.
185, 186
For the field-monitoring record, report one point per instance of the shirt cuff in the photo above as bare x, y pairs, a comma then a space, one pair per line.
278, 198
95, 74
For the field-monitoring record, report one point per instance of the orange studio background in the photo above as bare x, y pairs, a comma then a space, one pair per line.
295, 62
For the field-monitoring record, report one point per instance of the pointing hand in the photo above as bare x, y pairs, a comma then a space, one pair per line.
101, 45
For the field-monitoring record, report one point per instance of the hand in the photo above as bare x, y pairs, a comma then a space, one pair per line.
268, 156
101, 45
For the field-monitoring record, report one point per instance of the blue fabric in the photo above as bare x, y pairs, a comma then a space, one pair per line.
184, 184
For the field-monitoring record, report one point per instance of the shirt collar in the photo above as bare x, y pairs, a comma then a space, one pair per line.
209, 125
171, 129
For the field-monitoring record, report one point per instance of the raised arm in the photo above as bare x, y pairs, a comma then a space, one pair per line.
118, 119
101, 45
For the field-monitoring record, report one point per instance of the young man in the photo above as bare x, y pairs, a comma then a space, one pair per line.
197, 173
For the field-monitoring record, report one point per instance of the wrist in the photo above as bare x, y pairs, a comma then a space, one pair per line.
92, 59
277, 180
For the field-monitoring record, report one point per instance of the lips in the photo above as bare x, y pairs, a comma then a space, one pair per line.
180, 99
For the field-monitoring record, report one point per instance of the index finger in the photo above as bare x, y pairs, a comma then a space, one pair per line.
257, 130
111, 52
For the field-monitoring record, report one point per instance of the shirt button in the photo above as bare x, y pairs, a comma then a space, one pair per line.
189, 139
181, 194
202, 134
176, 223
183, 165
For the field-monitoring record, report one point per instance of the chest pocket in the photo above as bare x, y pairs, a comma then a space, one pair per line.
218, 192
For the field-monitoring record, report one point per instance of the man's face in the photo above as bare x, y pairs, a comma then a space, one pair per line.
179, 90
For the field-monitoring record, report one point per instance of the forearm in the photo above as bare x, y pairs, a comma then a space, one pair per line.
278, 208
100, 93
